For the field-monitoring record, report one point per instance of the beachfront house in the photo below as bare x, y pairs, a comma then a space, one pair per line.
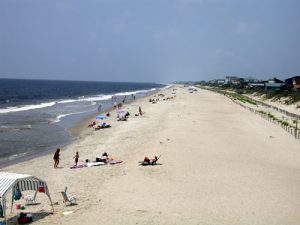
220, 81
258, 84
232, 80
293, 83
274, 84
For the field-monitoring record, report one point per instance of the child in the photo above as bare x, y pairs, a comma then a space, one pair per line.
76, 157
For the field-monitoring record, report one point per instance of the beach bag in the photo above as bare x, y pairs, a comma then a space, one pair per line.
1, 210
22, 219
18, 194
41, 188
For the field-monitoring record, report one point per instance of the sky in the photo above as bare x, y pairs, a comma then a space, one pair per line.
149, 40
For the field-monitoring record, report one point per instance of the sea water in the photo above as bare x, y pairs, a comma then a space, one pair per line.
35, 115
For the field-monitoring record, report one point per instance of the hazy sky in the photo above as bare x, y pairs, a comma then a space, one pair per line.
149, 40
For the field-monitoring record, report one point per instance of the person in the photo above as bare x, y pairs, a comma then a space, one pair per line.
99, 108
140, 110
127, 114
92, 124
115, 105
146, 160
124, 100
56, 158
76, 157
104, 158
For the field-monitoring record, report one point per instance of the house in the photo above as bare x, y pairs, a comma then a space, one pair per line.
274, 84
256, 84
293, 83
231, 80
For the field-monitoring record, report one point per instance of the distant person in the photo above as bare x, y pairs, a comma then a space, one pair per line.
140, 110
115, 105
76, 157
92, 124
100, 108
134, 97
56, 158
124, 100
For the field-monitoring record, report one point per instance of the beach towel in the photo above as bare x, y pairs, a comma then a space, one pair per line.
115, 162
78, 166
91, 164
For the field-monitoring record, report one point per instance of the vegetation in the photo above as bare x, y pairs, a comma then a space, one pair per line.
291, 96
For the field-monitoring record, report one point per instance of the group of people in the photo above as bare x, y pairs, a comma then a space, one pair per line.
104, 158
56, 158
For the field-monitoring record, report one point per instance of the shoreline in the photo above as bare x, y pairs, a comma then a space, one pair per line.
220, 164
77, 133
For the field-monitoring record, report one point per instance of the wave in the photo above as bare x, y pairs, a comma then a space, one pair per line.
58, 118
92, 99
167, 86
27, 107
88, 99
134, 92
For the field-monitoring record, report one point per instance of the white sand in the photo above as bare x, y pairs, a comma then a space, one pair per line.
219, 166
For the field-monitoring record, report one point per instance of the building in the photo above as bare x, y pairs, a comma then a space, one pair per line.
274, 84
293, 83
232, 80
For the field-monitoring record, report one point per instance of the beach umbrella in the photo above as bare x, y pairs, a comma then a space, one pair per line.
101, 117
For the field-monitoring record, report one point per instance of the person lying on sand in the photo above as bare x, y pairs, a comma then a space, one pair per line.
104, 158
102, 126
148, 161
92, 124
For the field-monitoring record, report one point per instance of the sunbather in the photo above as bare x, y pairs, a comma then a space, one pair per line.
104, 158
102, 126
148, 161
92, 124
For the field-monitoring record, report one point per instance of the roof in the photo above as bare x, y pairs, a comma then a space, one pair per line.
297, 80
273, 84
26, 182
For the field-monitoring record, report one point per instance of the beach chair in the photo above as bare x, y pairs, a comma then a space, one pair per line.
30, 199
68, 198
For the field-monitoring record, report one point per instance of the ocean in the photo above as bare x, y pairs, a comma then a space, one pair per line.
36, 115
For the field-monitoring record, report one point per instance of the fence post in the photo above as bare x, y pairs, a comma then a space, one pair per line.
296, 121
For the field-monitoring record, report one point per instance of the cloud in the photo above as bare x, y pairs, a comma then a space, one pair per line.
246, 28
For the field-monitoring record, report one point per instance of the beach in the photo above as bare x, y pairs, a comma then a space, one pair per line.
219, 164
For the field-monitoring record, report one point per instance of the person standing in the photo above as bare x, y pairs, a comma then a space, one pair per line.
140, 110
76, 157
56, 158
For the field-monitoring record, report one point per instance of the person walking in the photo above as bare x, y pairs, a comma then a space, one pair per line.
56, 158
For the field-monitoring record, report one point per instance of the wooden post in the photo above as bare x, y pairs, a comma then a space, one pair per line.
296, 121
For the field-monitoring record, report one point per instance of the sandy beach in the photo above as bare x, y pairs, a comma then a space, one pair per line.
220, 164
